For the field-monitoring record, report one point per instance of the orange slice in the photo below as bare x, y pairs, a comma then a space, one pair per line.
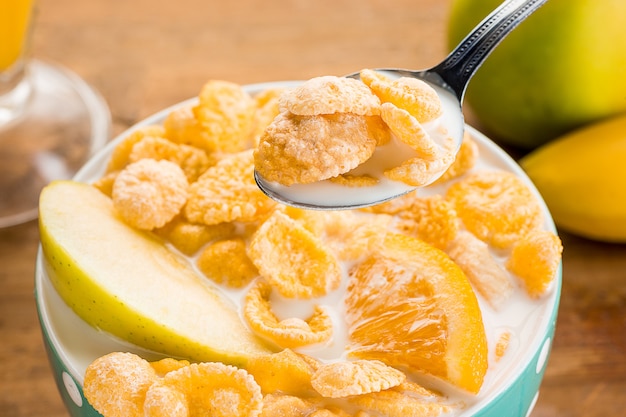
535, 259
409, 305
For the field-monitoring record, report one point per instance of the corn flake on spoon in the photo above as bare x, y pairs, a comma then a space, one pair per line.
449, 79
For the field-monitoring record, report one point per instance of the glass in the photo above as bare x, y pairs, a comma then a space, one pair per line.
51, 121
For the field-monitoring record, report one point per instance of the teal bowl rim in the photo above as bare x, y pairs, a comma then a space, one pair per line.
515, 398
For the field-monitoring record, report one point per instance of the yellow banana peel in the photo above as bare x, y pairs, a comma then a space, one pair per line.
582, 178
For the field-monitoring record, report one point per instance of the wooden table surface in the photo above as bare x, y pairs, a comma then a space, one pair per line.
144, 55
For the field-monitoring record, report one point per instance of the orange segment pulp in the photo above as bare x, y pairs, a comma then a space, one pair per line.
409, 305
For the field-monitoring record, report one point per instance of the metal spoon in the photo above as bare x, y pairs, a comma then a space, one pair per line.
449, 78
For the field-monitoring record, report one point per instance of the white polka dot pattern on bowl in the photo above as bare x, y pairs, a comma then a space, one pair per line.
72, 389
543, 355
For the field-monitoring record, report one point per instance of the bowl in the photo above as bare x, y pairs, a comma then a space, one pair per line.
512, 390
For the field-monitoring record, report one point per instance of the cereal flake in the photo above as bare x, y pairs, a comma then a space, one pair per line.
226, 262
215, 389
227, 192
287, 333
409, 131
150, 193
116, 384
292, 259
396, 403
329, 95
285, 371
167, 365
344, 379
464, 160
496, 206
411, 94
165, 401
193, 161
121, 153
305, 149
226, 114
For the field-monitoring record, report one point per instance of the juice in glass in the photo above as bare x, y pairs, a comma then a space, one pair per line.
15, 19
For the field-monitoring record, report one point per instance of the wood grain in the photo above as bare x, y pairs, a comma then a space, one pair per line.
145, 55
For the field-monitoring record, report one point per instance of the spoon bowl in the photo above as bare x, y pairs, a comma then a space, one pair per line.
450, 79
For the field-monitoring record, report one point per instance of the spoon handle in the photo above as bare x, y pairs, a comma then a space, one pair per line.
461, 64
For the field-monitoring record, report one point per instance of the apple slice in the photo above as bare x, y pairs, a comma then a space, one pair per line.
128, 283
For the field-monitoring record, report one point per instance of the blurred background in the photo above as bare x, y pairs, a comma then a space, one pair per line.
143, 56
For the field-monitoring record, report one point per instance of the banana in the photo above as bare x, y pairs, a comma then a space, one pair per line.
582, 178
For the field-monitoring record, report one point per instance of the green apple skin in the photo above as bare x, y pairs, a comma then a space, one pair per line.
563, 67
129, 284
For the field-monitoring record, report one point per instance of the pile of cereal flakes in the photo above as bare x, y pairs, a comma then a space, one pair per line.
330, 125
191, 182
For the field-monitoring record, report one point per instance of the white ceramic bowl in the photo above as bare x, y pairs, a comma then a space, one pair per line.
72, 344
